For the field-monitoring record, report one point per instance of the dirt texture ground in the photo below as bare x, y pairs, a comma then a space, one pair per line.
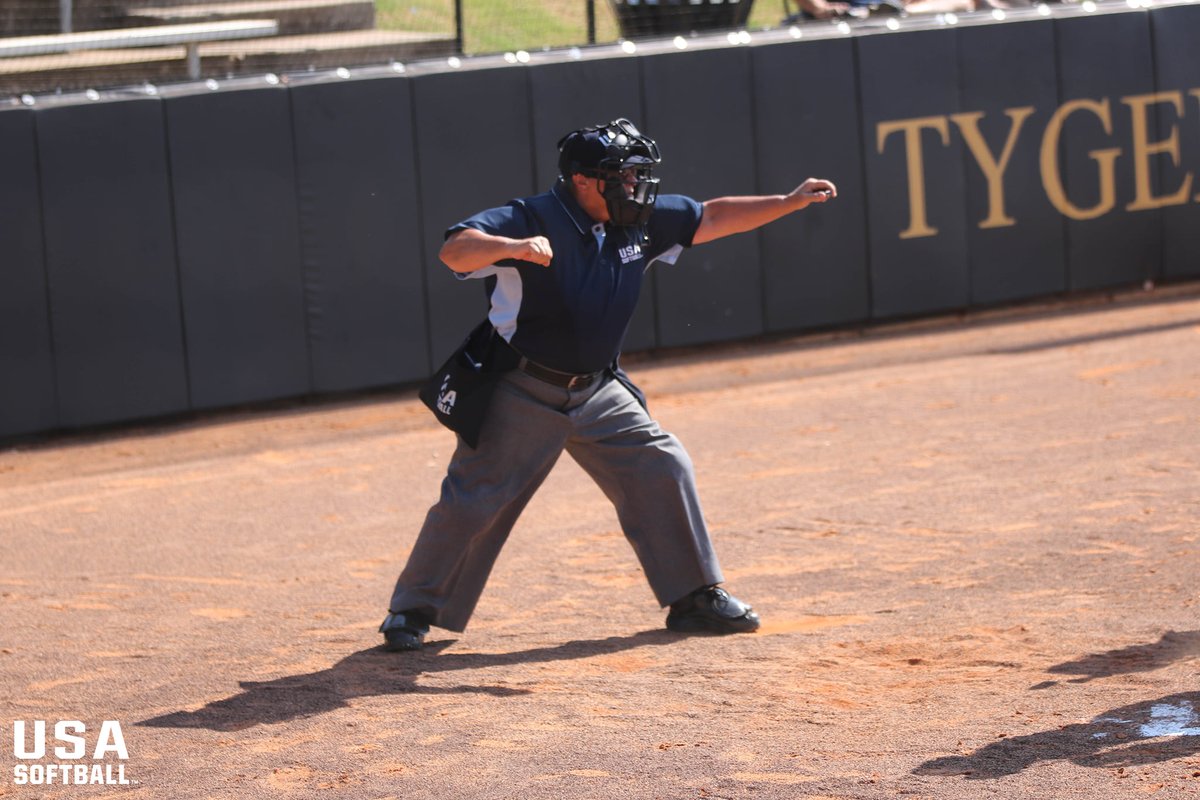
973, 542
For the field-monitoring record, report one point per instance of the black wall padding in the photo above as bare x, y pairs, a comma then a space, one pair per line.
27, 402
110, 256
1104, 59
918, 252
714, 292
239, 246
1015, 239
475, 153
212, 248
576, 95
360, 233
814, 262
1177, 64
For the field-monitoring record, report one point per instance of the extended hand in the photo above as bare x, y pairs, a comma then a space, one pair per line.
813, 190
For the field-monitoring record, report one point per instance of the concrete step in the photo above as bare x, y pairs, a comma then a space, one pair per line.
293, 16
280, 54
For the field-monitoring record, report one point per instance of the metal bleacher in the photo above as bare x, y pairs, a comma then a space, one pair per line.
174, 42
189, 35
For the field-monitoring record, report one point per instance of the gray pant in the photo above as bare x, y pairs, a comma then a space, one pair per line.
643, 470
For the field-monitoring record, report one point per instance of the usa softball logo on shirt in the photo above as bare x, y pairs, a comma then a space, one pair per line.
631, 253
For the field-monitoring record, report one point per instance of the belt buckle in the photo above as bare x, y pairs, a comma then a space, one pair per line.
574, 380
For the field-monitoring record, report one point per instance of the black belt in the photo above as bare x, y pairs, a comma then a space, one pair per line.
567, 380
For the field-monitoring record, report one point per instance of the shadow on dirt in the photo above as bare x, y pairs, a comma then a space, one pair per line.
1172, 647
378, 672
1144, 733
1071, 341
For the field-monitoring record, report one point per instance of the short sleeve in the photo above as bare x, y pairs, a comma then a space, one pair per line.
512, 220
673, 223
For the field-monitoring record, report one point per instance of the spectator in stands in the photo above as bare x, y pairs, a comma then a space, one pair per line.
860, 9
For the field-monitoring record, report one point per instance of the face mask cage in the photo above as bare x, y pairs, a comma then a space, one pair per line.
629, 188
629, 197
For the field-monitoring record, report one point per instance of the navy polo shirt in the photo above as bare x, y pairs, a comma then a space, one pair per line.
572, 315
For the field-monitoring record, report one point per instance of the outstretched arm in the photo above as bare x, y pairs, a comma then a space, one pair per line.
724, 216
469, 250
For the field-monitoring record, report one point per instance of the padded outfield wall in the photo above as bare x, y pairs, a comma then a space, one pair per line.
212, 245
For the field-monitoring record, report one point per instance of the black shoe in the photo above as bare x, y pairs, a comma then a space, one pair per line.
711, 610
404, 631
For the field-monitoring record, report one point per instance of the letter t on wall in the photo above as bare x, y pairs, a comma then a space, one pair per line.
918, 224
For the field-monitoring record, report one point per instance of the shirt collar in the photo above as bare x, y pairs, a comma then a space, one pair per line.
583, 222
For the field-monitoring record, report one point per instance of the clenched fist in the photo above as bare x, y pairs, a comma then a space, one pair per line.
535, 249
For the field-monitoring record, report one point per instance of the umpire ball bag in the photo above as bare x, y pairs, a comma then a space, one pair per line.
459, 392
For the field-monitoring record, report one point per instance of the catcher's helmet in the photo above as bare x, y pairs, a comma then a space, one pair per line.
621, 156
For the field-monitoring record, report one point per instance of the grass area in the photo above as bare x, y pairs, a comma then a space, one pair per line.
494, 26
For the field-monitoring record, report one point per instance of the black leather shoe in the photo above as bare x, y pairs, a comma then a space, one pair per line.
404, 631
711, 609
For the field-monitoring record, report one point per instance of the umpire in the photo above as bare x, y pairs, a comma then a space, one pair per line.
563, 273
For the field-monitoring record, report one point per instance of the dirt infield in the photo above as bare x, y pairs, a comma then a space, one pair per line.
973, 543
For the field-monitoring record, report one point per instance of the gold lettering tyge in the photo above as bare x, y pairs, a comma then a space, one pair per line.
1145, 156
